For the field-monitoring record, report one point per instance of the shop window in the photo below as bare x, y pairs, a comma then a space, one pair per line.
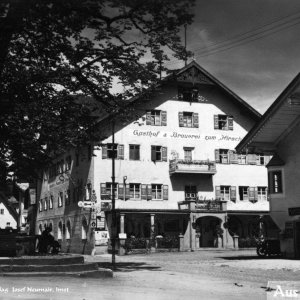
134, 152
275, 182
158, 153
190, 192
223, 122
113, 150
135, 190
156, 118
188, 119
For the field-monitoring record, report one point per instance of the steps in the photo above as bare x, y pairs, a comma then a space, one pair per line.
58, 265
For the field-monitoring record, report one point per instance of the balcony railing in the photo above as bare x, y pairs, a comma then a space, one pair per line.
192, 166
203, 205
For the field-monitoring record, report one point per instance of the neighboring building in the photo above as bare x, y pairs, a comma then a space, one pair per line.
278, 133
8, 216
176, 170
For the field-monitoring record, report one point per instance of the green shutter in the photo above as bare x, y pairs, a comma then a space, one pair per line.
121, 191
164, 153
217, 155
196, 120
120, 152
143, 191
149, 191
233, 193
148, 118
127, 192
104, 151
230, 123
163, 118
218, 192
251, 193
251, 159
216, 121
180, 119
165, 192
153, 153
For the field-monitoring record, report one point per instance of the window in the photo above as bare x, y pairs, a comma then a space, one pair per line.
109, 189
190, 192
242, 159
2, 211
158, 153
41, 205
60, 199
113, 150
223, 122
67, 197
261, 193
243, 192
51, 202
224, 156
275, 182
188, 154
156, 118
68, 162
134, 152
226, 192
156, 191
188, 119
46, 203
189, 94
135, 190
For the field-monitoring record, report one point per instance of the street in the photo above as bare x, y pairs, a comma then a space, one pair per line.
192, 275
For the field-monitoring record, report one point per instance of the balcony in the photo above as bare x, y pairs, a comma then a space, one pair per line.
178, 166
203, 205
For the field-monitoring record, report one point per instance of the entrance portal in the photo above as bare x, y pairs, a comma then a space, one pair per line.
209, 232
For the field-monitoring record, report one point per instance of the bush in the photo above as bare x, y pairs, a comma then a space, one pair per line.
168, 242
135, 243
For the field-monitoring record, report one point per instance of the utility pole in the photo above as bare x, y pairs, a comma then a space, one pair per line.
113, 200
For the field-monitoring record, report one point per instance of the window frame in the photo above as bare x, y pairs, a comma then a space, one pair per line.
223, 189
271, 182
60, 198
261, 196
155, 191
190, 192
244, 193
133, 152
135, 192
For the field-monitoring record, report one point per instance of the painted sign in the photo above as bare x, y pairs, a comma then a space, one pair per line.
179, 135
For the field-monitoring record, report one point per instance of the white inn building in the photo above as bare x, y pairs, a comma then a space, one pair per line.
176, 170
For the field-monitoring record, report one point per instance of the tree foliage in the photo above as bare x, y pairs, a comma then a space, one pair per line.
56, 50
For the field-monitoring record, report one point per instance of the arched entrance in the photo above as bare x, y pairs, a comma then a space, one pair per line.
209, 232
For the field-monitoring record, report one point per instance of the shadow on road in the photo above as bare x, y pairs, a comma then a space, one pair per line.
128, 266
250, 257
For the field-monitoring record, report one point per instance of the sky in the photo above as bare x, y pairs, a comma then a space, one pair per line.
251, 46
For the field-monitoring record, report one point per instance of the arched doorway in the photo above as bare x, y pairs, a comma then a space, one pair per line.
209, 232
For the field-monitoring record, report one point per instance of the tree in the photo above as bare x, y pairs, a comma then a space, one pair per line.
60, 50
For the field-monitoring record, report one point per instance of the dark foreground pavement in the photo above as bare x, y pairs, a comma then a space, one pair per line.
189, 275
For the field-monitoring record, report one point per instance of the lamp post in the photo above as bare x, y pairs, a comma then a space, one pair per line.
113, 200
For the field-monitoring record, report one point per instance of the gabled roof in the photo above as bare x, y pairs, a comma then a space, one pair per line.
8, 206
280, 118
210, 79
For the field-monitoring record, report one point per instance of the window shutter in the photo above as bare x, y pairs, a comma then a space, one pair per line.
230, 123
153, 153
120, 152
144, 191
121, 191
256, 194
233, 193
164, 153
148, 118
233, 157
149, 191
217, 155
104, 151
218, 192
251, 193
251, 159
216, 121
165, 192
127, 192
196, 120
102, 190
163, 118
180, 118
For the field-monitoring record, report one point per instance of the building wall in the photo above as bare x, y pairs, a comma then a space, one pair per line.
6, 217
205, 140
